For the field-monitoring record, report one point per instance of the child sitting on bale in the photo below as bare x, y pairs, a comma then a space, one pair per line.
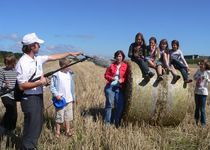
178, 61
137, 54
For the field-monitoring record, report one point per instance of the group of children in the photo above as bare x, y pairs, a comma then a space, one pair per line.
63, 96
159, 57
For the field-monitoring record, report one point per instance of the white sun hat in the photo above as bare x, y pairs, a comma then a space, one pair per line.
31, 38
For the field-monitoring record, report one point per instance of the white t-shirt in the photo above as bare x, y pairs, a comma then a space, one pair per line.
202, 80
116, 77
64, 88
26, 67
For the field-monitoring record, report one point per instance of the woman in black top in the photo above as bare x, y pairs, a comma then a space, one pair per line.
137, 54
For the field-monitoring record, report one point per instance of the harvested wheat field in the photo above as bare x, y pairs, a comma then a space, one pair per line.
91, 133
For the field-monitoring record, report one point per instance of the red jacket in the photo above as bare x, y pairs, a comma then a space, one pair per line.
111, 72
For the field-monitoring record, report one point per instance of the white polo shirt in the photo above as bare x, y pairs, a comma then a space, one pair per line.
26, 67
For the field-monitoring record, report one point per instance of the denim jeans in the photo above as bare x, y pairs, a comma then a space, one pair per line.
200, 108
142, 65
181, 67
113, 95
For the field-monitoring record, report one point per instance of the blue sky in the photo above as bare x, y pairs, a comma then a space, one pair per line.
100, 27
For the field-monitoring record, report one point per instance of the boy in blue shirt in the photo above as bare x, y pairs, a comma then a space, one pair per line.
62, 88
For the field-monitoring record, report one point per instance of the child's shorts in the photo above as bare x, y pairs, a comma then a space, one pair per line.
65, 114
158, 62
148, 58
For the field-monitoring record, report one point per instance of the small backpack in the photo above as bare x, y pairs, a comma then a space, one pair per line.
18, 93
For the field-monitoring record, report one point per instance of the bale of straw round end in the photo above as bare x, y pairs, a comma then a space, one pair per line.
164, 105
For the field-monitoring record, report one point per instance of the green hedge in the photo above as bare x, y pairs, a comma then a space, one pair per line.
3, 53
192, 61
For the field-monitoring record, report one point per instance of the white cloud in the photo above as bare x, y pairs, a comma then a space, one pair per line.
13, 43
60, 48
79, 36
11, 37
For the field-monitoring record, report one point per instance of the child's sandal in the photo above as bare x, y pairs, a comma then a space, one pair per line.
70, 133
57, 135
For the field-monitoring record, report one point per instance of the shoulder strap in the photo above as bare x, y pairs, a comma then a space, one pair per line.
33, 74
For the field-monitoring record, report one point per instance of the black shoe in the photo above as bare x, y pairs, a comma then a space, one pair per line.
184, 85
151, 74
188, 81
146, 77
175, 79
160, 78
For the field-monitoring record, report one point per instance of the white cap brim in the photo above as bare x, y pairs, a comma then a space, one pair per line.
40, 41
31, 38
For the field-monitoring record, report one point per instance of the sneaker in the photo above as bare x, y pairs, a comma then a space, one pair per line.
203, 125
151, 74
188, 81
146, 77
184, 85
175, 79
160, 78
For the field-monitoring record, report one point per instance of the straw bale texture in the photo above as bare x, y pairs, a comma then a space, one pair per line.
164, 105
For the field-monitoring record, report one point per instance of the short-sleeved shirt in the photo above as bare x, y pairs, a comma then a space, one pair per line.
26, 67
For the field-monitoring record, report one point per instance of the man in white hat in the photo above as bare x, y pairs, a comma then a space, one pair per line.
30, 66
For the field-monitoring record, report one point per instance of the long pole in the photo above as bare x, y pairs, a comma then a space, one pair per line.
48, 74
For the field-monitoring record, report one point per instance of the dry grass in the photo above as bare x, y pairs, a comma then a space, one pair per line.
90, 133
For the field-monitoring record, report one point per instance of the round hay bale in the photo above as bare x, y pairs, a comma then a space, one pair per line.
163, 104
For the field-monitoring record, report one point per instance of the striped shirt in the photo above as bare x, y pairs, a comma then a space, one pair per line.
7, 75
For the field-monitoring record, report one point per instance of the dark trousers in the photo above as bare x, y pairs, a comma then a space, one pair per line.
142, 65
181, 67
10, 116
32, 107
200, 108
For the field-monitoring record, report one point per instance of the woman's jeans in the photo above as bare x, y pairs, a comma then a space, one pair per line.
113, 95
200, 108
181, 67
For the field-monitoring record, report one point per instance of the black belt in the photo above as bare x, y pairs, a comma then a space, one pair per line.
26, 95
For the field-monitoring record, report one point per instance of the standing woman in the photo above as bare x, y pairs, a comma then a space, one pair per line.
201, 91
7, 81
30, 66
115, 76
